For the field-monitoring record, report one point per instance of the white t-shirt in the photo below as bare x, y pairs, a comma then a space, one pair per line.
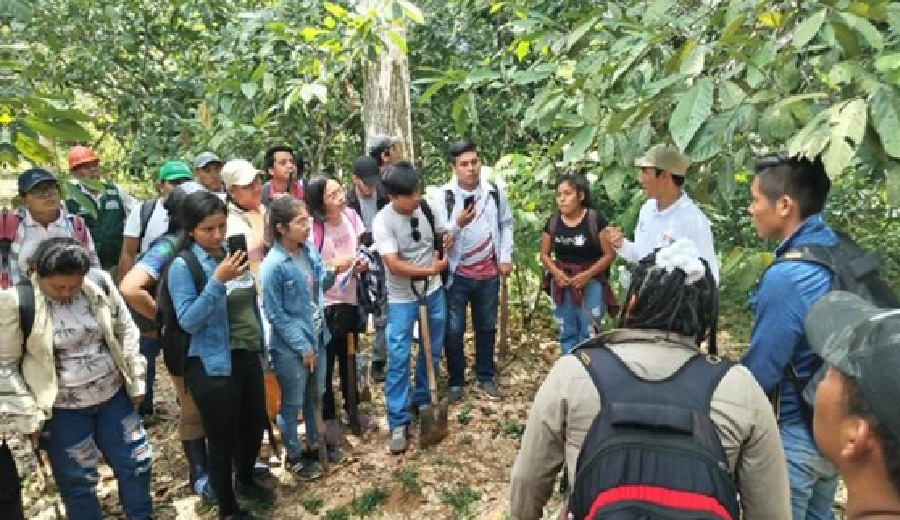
393, 234
156, 226
655, 228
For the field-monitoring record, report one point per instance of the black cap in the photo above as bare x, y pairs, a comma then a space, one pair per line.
366, 168
31, 178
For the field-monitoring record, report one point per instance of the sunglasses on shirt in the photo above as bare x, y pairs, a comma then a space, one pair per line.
414, 223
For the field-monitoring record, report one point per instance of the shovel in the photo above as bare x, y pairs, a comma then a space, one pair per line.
433, 416
353, 395
312, 393
503, 343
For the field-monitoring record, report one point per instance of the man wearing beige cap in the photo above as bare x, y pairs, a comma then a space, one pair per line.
668, 214
856, 423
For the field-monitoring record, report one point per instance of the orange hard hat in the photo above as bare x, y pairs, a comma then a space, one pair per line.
79, 155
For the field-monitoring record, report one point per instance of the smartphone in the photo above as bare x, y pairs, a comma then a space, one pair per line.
469, 201
237, 243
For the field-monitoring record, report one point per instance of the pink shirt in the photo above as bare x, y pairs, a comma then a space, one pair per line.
342, 241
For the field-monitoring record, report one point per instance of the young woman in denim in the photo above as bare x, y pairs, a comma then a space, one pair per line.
294, 280
576, 262
340, 228
83, 365
224, 367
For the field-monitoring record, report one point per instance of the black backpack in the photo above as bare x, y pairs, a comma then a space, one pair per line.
652, 452
173, 339
438, 237
852, 269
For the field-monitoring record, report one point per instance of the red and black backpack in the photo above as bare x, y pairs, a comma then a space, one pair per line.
652, 451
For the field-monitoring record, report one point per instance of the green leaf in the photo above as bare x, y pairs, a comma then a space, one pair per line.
837, 157
870, 34
614, 182
249, 90
412, 13
848, 120
335, 10
776, 124
692, 64
580, 143
522, 50
31, 149
692, 110
709, 139
398, 40
892, 184
64, 130
887, 62
885, 116
730, 95
807, 30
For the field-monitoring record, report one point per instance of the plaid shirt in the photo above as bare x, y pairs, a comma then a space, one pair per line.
31, 233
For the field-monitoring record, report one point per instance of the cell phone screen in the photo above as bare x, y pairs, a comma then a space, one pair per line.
237, 243
469, 201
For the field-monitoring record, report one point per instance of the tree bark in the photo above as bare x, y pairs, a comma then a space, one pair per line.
386, 97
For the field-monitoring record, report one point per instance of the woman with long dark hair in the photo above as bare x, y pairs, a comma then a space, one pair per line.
576, 253
223, 370
138, 287
336, 235
83, 365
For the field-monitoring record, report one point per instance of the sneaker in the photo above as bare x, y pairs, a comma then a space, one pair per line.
261, 469
253, 491
378, 371
490, 390
302, 469
454, 394
334, 454
398, 440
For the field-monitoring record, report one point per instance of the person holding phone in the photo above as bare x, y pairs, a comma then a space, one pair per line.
246, 213
223, 371
480, 220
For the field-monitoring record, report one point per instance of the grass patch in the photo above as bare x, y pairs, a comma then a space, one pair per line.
461, 500
465, 414
368, 502
312, 504
338, 513
409, 479
512, 428
466, 438
446, 461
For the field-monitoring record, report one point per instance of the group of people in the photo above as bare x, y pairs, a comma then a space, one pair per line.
235, 280
811, 400
231, 278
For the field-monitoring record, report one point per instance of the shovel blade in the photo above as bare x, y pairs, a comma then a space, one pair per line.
432, 424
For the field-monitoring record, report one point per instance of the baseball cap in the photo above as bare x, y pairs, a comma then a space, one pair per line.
863, 342
381, 141
174, 170
32, 177
666, 158
366, 168
239, 172
205, 158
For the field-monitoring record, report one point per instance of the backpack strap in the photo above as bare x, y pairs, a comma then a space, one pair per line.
593, 230
194, 267
79, 229
147, 209
25, 292
672, 400
449, 201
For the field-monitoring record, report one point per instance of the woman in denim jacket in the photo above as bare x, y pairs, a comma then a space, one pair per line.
294, 280
224, 367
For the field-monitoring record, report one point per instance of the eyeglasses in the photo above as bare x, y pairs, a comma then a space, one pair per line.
44, 191
416, 235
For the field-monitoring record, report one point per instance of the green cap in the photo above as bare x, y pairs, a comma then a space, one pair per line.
666, 158
175, 170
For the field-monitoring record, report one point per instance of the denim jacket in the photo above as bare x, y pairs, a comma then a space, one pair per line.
783, 297
204, 316
286, 299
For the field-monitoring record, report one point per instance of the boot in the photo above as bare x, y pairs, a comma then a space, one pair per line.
195, 452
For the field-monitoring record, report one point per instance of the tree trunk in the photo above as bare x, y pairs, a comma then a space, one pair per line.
386, 105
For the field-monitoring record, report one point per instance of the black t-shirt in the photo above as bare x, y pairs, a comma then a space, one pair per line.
572, 244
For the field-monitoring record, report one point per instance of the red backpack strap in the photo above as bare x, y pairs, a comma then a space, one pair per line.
318, 234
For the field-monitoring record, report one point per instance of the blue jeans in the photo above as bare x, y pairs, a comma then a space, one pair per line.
149, 348
293, 378
400, 320
74, 440
483, 295
576, 322
812, 478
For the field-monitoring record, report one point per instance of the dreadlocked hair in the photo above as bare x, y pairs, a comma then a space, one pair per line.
663, 301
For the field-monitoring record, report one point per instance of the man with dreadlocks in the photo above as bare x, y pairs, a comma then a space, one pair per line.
670, 309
